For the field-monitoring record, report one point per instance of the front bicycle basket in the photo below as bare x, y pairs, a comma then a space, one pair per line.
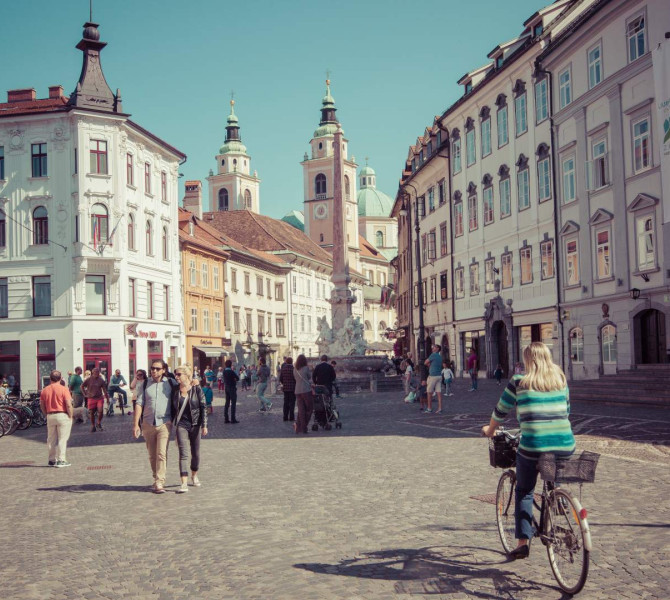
502, 452
574, 469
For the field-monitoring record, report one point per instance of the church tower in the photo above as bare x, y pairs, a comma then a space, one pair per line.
318, 176
233, 187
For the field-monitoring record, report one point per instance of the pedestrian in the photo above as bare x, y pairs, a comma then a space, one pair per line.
230, 379
263, 374
154, 407
209, 394
498, 373
324, 374
137, 385
518, 368
219, 378
434, 382
447, 377
74, 385
190, 418
95, 390
117, 382
409, 374
541, 401
56, 404
287, 379
243, 377
303, 393
472, 369
210, 375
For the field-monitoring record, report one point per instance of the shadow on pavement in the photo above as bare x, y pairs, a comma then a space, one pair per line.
96, 487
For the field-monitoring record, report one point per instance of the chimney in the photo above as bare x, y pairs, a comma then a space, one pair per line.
193, 197
55, 91
23, 95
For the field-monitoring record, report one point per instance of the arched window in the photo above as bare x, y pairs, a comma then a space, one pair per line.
247, 199
608, 342
148, 239
382, 326
320, 184
40, 226
379, 237
577, 345
368, 326
165, 243
131, 232
347, 188
99, 224
223, 199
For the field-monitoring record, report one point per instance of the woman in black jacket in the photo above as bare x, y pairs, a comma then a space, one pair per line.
191, 422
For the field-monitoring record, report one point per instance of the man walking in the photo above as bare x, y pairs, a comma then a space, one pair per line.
324, 374
472, 369
230, 379
56, 404
74, 385
287, 380
154, 407
263, 375
115, 384
434, 382
95, 390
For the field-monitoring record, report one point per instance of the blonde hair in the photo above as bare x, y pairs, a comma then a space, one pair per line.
186, 368
542, 374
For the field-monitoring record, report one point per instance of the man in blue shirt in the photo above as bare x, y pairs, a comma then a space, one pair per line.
434, 383
116, 382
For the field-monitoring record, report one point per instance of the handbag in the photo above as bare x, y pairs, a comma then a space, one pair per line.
181, 412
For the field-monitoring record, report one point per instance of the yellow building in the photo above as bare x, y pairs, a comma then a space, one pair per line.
203, 274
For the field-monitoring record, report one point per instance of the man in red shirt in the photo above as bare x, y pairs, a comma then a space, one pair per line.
56, 404
95, 389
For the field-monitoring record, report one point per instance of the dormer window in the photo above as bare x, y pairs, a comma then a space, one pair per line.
468, 87
499, 62
537, 30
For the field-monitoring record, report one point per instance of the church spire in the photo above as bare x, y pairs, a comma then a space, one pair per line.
233, 127
92, 90
328, 110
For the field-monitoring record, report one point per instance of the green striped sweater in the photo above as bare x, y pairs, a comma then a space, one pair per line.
542, 416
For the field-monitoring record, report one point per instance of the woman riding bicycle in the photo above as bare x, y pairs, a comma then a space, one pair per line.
542, 405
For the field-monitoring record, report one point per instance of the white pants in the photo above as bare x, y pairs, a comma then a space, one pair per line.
59, 426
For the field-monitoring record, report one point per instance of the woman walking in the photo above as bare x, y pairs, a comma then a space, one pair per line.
189, 411
303, 393
137, 385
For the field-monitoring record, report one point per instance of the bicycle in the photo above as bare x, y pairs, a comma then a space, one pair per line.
562, 526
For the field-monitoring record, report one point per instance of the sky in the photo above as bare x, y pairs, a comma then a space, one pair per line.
393, 66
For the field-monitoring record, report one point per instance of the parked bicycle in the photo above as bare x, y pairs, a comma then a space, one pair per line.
21, 413
559, 520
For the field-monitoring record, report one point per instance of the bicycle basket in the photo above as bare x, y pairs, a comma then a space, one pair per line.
574, 469
502, 452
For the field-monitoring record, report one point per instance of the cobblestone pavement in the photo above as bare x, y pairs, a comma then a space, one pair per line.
385, 507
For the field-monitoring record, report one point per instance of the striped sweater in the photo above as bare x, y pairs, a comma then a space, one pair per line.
542, 416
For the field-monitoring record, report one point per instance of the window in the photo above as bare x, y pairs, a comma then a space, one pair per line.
458, 219
523, 189
40, 226
489, 275
130, 171
488, 205
379, 238
148, 239
279, 323
95, 294
460, 282
192, 273
421, 205
223, 199
98, 163
433, 289
166, 302
150, 300
641, 147
204, 275
564, 88
165, 242
216, 280
486, 137
295, 284
541, 104
603, 268
636, 38
474, 279
99, 225
443, 238
236, 321
2, 162
39, 160
217, 322
577, 345
194, 319
302, 323
431, 199
544, 179
520, 116
598, 169
147, 178
505, 198
247, 199
233, 279
4, 298
259, 285
347, 192
132, 298
473, 221
205, 320
424, 250
456, 156
432, 253
247, 283
608, 342
646, 251
547, 257
595, 66
320, 186
3, 230
572, 262
470, 148
526, 257
279, 291
568, 167
506, 262
131, 232
268, 289
42, 296
164, 197
503, 135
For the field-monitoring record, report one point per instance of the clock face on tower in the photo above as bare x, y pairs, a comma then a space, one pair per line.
321, 211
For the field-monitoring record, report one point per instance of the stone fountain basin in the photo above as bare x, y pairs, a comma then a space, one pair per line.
354, 366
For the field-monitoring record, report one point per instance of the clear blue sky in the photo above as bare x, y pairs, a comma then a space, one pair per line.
394, 65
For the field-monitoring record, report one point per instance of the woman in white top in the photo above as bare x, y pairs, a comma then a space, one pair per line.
447, 377
137, 385
409, 373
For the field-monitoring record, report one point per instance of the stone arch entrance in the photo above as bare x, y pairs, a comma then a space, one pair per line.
499, 348
498, 321
649, 333
446, 354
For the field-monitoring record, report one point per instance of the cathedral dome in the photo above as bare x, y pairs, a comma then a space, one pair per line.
372, 202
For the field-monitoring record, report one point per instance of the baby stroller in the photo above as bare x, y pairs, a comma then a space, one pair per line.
325, 411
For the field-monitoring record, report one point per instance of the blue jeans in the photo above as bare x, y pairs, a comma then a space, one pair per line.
260, 390
526, 478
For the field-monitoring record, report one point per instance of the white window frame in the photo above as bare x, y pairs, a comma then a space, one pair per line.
473, 213
204, 275
456, 156
595, 64
547, 259
569, 179
487, 197
459, 282
541, 101
215, 278
474, 279
193, 279
564, 87
470, 147
502, 126
629, 37
645, 241
608, 344
644, 140
526, 265
506, 270
489, 275
205, 320
598, 175
458, 218
577, 345
544, 179
505, 190
486, 137
194, 319
520, 114
572, 275
603, 248
523, 189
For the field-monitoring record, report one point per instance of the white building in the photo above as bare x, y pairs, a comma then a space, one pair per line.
89, 258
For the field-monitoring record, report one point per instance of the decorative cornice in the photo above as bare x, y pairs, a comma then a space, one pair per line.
642, 201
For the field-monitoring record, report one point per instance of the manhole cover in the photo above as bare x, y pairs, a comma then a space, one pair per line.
99, 468
18, 463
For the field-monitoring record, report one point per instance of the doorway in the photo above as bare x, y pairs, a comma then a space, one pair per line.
650, 342
98, 355
499, 347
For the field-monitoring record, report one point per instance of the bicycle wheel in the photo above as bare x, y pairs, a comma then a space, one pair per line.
505, 510
566, 543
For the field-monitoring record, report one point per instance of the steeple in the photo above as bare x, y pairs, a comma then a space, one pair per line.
233, 141
328, 123
92, 90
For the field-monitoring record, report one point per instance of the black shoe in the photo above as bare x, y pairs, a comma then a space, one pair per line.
234, 421
520, 552
52, 463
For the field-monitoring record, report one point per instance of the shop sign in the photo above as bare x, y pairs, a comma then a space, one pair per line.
131, 329
226, 341
208, 342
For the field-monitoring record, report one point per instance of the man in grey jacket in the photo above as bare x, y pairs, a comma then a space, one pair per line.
263, 374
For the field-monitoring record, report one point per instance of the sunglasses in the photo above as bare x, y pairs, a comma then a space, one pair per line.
156, 368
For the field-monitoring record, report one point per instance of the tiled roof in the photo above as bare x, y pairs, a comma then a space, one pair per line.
369, 251
192, 182
33, 106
